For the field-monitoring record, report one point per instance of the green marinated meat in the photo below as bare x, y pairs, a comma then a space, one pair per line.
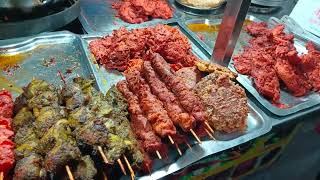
23, 117
85, 169
30, 168
47, 117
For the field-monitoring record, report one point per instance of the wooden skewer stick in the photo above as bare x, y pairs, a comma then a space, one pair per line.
122, 167
1, 176
104, 176
209, 134
103, 155
195, 135
189, 146
158, 154
178, 149
171, 140
69, 172
129, 166
209, 127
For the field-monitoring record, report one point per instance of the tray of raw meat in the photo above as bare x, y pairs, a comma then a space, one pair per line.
280, 70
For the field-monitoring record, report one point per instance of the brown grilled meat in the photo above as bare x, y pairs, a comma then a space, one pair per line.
226, 102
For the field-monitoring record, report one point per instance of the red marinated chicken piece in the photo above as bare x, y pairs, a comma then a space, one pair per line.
292, 77
310, 64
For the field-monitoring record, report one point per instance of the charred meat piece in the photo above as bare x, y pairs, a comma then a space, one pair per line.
93, 133
85, 169
150, 104
171, 104
59, 147
189, 101
47, 117
22, 118
226, 103
29, 167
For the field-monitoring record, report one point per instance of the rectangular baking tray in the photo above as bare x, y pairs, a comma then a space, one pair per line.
63, 48
98, 16
258, 122
295, 104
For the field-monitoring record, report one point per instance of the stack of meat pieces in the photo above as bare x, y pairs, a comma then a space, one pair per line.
271, 57
6, 145
138, 11
122, 47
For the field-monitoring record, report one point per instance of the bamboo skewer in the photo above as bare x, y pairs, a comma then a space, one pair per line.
1, 176
158, 154
209, 134
129, 166
69, 172
189, 146
209, 127
178, 149
122, 167
171, 140
103, 155
104, 176
195, 135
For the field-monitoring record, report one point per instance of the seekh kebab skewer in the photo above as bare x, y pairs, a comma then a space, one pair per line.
150, 142
156, 114
171, 104
189, 101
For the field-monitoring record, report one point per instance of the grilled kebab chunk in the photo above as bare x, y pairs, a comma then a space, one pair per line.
85, 169
226, 102
30, 168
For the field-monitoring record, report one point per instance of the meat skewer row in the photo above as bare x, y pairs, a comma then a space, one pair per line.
106, 130
6, 145
151, 143
156, 114
150, 104
189, 101
44, 140
171, 104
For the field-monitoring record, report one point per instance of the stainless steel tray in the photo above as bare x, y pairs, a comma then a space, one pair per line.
98, 16
33, 55
258, 122
295, 104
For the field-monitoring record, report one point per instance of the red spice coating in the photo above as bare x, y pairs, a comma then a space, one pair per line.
119, 49
138, 11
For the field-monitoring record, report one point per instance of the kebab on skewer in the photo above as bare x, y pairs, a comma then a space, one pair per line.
6, 145
45, 145
188, 100
149, 141
101, 124
171, 104
149, 103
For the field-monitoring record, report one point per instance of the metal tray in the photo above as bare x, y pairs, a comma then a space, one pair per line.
258, 122
33, 55
98, 16
295, 104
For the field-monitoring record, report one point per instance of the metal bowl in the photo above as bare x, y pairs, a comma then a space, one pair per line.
200, 8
